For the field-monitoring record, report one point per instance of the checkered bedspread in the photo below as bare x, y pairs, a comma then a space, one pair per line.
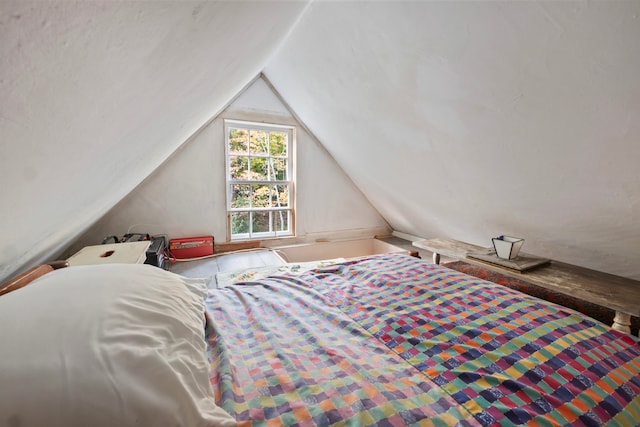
299, 350
282, 356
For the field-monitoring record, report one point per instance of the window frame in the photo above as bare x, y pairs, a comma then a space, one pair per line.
289, 182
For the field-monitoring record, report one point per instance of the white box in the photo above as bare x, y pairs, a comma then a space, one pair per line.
113, 253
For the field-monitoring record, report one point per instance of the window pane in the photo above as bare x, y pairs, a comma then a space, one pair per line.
260, 222
239, 167
280, 196
280, 221
238, 141
278, 143
259, 142
259, 186
260, 196
239, 222
259, 169
240, 195
278, 169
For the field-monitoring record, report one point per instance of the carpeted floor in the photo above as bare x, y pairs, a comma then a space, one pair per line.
595, 311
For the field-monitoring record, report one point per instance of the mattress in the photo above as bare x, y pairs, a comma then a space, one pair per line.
392, 340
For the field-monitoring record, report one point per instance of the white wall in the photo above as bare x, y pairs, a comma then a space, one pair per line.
461, 119
474, 119
96, 95
186, 196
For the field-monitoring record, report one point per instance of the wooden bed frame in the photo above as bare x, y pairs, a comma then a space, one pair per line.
30, 275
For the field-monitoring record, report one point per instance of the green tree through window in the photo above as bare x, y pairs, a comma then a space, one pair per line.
259, 180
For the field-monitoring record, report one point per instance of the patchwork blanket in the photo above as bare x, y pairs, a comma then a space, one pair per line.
391, 340
282, 356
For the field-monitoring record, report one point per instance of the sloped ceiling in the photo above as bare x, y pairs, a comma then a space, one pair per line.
475, 119
460, 119
95, 95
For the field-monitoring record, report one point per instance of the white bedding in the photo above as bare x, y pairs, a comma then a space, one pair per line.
227, 278
108, 345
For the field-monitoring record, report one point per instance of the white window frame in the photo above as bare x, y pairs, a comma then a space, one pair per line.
290, 170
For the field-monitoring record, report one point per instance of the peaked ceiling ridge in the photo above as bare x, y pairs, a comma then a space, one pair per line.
319, 143
226, 105
290, 31
50, 246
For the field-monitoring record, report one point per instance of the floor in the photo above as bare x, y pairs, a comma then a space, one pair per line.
256, 258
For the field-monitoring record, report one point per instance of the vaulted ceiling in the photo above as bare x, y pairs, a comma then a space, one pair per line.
460, 119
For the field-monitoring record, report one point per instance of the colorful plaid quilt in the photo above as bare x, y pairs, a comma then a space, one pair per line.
282, 356
508, 358
391, 340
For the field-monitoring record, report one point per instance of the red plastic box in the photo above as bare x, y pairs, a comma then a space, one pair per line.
191, 247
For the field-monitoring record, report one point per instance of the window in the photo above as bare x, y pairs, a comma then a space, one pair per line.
259, 180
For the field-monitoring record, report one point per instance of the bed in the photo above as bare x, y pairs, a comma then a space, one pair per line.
381, 340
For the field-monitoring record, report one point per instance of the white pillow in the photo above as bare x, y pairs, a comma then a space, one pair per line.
106, 345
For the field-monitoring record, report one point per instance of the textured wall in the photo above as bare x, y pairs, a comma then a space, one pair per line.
186, 196
473, 119
95, 95
460, 119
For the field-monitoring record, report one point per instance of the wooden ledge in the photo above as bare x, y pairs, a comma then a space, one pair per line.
25, 278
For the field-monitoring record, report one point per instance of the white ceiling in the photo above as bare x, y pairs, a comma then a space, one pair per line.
460, 119
474, 119
95, 95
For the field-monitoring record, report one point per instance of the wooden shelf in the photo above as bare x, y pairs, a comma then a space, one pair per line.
608, 290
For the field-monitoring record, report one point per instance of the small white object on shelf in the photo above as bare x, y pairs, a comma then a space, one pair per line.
114, 253
507, 247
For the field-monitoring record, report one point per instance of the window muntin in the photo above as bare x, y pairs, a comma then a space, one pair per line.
259, 183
